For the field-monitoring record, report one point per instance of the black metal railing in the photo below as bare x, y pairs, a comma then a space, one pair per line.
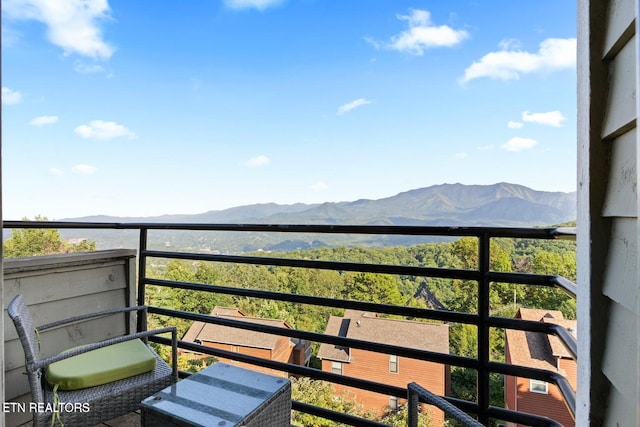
483, 319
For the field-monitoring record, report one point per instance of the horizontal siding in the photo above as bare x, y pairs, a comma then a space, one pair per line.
621, 276
375, 367
621, 359
619, 25
283, 349
570, 371
55, 284
70, 307
510, 393
549, 405
59, 287
249, 351
622, 410
620, 114
621, 198
52, 343
608, 271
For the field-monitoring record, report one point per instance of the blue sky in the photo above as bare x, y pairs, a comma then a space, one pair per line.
138, 108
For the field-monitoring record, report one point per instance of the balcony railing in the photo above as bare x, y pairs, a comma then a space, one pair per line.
482, 319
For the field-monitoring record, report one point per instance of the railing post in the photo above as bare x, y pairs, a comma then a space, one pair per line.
142, 274
412, 409
484, 245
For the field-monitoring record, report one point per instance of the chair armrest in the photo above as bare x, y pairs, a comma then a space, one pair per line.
91, 316
41, 363
415, 393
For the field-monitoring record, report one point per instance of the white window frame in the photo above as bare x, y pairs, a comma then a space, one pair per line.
336, 367
394, 365
393, 403
535, 386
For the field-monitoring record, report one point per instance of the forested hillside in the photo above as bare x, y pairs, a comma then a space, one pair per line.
557, 257
501, 205
518, 255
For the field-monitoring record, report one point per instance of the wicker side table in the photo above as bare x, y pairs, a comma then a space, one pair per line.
222, 396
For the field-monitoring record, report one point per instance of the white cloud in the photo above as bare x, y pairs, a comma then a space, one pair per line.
251, 4
552, 118
422, 34
519, 144
44, 120
71, 24
260, 160
486, 147
55, 172
319, 186
10, 96
510, 44
353, 104
84, 169
84, 68
514, 125
554, 54
461, 155
99, 129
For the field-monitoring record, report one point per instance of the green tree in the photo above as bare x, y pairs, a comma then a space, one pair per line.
320, 394
372, 287
28, 242
272, 310
400, 418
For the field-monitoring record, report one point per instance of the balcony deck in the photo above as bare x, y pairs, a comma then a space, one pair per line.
128, 420
134, 288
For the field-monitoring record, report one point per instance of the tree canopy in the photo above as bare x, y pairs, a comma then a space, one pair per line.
28, 242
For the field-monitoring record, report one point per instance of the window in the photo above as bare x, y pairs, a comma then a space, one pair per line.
235, 349
393, 363
336, 368
393, 403
538, 386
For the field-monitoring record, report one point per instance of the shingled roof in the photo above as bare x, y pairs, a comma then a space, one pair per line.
368, 327
209, 332
534, 349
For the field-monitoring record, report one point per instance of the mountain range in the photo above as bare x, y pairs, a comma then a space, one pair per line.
502, 204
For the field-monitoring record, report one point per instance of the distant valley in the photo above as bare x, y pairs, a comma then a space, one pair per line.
502, 204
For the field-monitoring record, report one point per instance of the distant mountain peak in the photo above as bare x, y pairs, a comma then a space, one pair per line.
501, 204
497, 204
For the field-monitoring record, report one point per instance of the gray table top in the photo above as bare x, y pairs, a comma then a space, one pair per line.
220, 395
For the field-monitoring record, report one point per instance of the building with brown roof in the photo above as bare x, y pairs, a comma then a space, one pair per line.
541, 351
252, 343
385, 368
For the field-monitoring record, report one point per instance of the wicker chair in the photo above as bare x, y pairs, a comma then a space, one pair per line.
103, 402
417, 393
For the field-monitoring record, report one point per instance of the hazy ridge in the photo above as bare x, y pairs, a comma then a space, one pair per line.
502, 204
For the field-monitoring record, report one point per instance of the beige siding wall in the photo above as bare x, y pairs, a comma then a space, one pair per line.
58, 287
608, 227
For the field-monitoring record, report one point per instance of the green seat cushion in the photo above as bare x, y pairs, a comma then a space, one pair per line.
101, 366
